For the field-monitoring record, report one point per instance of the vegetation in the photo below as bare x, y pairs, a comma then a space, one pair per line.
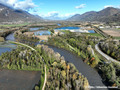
93, 34
117, 38
6, 30
60, 74
1, 39
83, 46
21, 37
77, 44
14, 25
112, 48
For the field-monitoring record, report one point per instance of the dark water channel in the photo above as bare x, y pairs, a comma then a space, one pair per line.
91, 74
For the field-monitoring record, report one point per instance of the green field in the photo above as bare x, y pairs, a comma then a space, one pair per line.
14, 25
65, 31
117, 38
93, 34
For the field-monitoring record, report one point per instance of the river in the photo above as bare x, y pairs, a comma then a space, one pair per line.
91, 74
6, 46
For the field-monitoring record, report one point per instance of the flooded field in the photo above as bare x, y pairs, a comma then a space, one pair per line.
18, 80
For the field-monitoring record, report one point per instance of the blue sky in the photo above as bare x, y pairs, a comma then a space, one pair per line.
61, 8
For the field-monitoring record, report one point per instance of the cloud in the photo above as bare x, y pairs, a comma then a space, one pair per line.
108, 6
55, 15
111, 6
24, 5
8, 2
67, 15
80, 6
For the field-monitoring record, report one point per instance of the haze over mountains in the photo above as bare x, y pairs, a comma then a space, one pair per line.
8, 14
109, 14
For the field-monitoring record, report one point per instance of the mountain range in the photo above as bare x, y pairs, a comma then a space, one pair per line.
9, 14
109, 14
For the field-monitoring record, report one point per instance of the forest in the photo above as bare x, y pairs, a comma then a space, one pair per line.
60, 74
84, 46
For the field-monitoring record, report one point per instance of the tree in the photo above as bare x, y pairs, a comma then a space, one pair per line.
108, 52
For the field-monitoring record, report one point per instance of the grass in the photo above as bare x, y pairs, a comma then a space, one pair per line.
21, 44
93, 34
117, 38
118, 28
2, 39
14, 25
65, 31
42, 80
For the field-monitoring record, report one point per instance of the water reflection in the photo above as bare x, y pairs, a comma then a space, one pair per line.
45, 32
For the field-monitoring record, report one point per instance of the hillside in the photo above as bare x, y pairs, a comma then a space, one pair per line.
109, 14
8, 14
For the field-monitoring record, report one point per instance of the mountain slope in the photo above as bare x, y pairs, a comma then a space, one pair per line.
106, 15
8, 14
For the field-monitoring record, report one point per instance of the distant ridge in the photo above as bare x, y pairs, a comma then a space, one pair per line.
109, 14
8, 14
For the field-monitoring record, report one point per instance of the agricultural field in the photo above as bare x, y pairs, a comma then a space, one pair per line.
112, 32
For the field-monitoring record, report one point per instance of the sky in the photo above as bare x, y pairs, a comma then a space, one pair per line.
60, 9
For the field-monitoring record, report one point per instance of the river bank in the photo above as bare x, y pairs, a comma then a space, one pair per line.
33, 65
91, 74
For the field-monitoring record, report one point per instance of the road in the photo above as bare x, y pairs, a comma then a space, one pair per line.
43, 88
105, 55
